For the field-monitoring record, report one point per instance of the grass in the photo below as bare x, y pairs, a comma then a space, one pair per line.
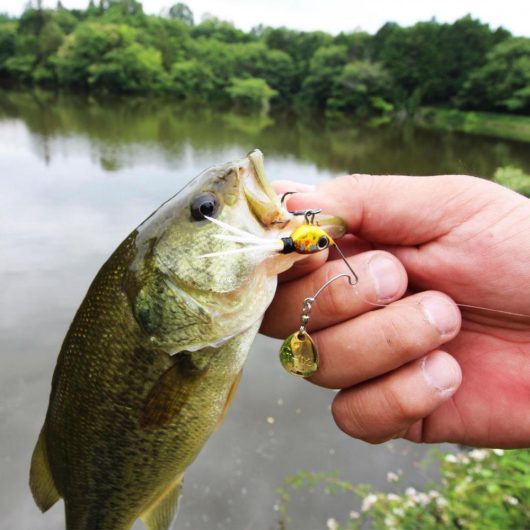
484, 123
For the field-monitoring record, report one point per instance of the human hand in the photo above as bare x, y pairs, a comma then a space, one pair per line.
418, 369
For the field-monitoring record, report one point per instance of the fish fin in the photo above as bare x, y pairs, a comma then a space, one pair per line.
40, 477
174, 388
230, 397
163, 511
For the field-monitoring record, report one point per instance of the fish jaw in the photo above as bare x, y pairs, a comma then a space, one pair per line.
267, 207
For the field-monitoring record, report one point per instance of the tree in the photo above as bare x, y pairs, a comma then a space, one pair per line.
503, 83
129, 68
360, 86
325, 66
182, 12
7, 43
192, 79
251, 93
214, 28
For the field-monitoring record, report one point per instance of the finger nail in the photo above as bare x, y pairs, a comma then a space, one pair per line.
441, 313
441, 371
387, 277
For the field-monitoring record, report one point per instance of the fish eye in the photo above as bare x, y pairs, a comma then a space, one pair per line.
322, 242
205, 204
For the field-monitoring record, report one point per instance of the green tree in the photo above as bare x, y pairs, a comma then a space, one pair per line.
360, 89
170, 36
251, 93
429, 62
191, 80
503, 83
8, 32
129, 68
88, 45
182, 12
324, 68
215, 28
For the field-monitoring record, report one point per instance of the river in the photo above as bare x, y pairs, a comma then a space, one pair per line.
76, 175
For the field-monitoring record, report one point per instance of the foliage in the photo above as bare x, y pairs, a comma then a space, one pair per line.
182, 12
360, 89
503, 83
479, 489
251, 92
113, 46
514, 178
484, 123
324, 68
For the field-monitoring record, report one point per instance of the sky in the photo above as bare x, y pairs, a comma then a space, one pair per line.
335, 16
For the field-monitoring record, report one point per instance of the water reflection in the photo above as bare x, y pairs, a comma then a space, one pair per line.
122, 132
76, 175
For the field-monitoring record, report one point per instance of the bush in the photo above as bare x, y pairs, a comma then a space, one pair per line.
479, 489
251, 93
514, 178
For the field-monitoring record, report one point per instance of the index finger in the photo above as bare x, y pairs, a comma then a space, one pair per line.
393, 209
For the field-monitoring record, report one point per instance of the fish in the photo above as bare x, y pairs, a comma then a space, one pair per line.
154, 354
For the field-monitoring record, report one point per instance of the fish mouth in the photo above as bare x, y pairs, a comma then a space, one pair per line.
266, 205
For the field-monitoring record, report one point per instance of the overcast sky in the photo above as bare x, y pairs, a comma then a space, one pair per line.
336, 15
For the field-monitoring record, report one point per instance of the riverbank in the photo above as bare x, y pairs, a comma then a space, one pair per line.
505, 126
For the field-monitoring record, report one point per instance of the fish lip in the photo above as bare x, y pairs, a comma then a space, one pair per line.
261, 198
266, 206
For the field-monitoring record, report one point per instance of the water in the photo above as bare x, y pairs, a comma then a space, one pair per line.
76, 175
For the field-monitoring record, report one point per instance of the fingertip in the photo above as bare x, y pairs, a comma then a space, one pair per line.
389, 406
442, 313
388, 275
442, 373
283, 186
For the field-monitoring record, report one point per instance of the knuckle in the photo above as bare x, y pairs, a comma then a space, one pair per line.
404, 411
347, 414
398, 335
334, 300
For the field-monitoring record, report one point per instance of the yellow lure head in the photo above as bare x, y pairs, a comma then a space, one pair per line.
308, 239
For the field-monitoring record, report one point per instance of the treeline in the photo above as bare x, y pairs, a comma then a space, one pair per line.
115, 47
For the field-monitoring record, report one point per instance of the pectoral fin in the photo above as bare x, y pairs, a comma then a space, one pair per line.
40, 477
230, 397
174, 388
163, 511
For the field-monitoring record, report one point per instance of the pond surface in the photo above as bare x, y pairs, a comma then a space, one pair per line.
76, 175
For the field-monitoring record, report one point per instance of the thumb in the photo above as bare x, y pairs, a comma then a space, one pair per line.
392, 209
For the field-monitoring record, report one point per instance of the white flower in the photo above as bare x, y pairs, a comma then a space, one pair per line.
368, 502
511, 500
478, 454
451, 459
332, 524
393, 497
423, 499
354, 515
411, 492
498, 452
441, 502
400, 512
392, 477
390, 522
434, 494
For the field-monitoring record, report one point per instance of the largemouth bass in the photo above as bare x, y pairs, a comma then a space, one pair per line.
154, 354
